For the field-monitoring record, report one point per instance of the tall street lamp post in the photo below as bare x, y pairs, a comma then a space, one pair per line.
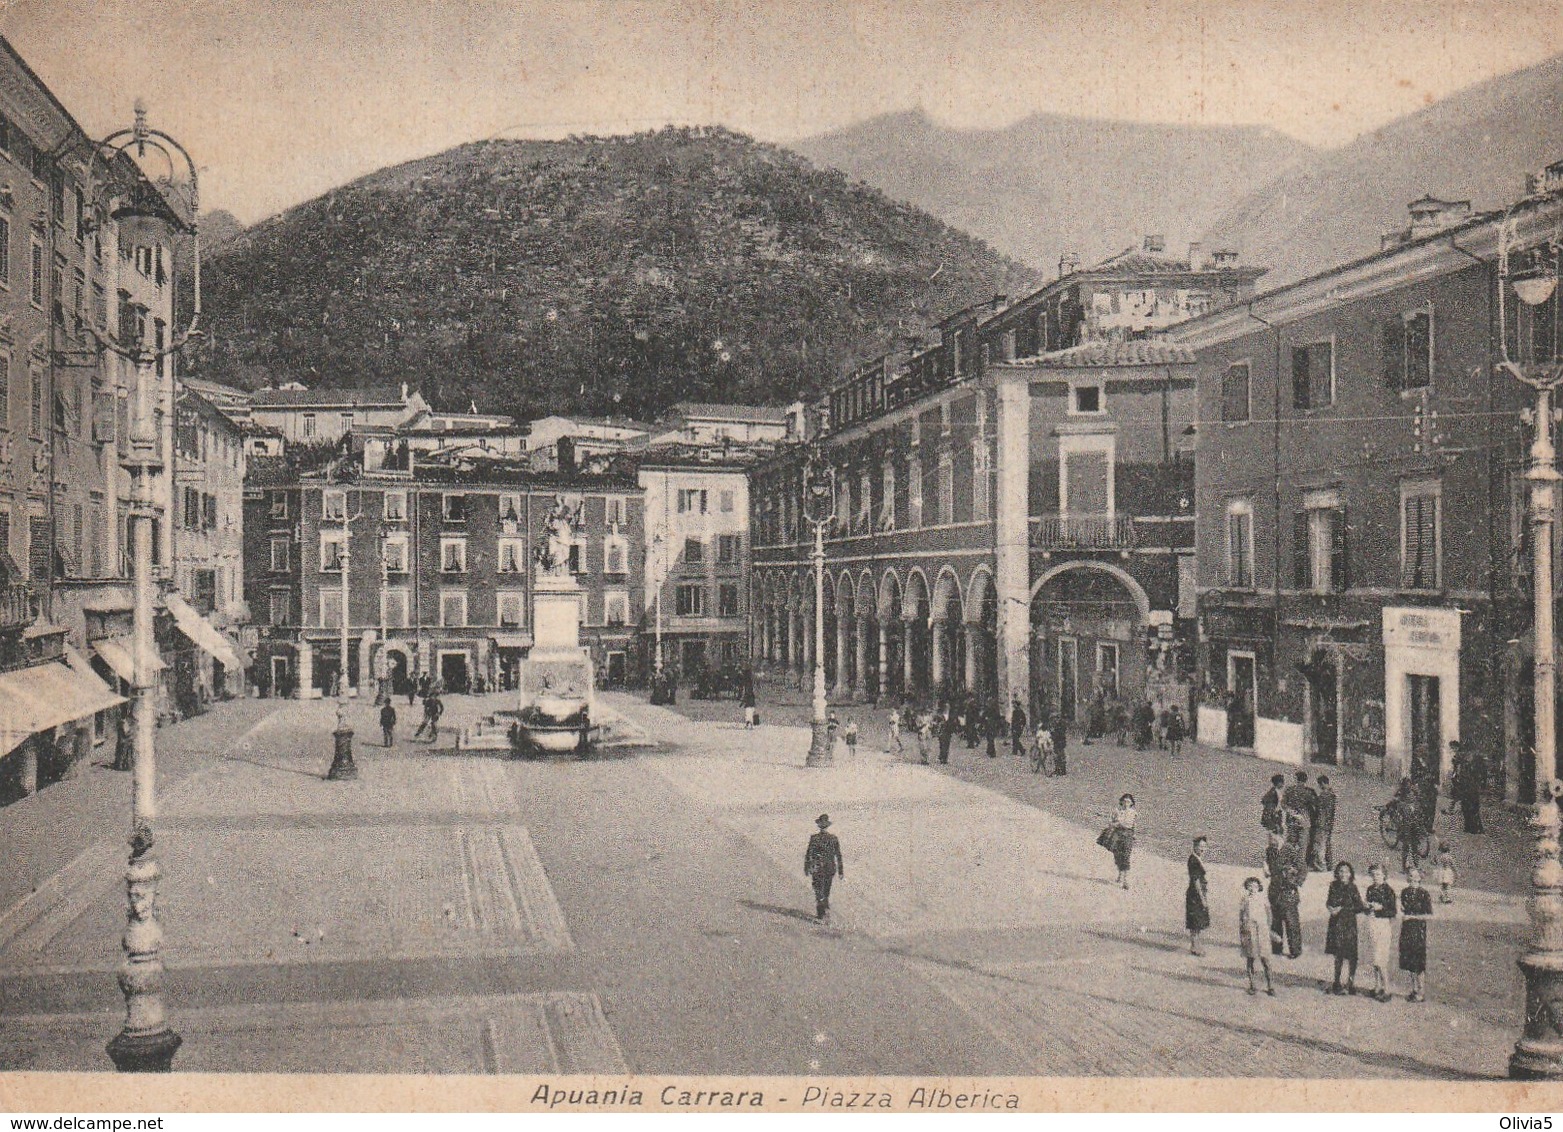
819, 508
1539, 1053
145, 218
342, 766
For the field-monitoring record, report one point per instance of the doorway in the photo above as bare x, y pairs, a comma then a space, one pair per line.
281, 677
1426, 726
1068, 677
396, 667
1324, 709
453, 672
1107, 669
1240, 716
616, 670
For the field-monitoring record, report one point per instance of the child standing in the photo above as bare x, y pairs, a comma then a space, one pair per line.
1379, 927
1253, 932
849, 735
1445, 874
1416, 905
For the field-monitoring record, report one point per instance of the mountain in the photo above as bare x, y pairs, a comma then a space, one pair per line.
1476, 144
592, 274
1050, 184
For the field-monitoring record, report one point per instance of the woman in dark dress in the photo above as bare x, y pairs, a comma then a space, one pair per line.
1416, 905
1344, 904
1196, 902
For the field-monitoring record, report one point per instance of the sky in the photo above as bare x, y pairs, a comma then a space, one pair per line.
282, 100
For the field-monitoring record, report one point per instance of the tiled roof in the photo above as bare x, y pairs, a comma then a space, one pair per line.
290, 398
1140, 352
746, 414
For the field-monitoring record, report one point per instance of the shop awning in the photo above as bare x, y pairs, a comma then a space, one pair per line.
46, 695
202, 632
511, 640
119, 654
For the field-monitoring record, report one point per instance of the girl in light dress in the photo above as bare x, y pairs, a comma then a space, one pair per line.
1378, 928
1253, 932
1123, 836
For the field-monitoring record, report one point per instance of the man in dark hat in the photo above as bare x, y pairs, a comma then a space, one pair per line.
822, 864
1271, 817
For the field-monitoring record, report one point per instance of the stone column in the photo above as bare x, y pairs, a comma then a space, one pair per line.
1011, 532
973, 636
306, 671
884, 660
860, 662
908, 653
936, 657
843, 685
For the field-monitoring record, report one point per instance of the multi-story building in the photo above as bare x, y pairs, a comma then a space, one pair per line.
1012, 508
323, 416
209, 535
438, 565
695, 422
72, 279
1362, 557
697, 554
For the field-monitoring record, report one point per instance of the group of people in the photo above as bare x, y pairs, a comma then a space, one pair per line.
433, 708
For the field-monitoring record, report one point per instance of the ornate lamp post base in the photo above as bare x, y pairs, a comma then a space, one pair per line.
821, 749
145, 1053
342, 766
1538, 1055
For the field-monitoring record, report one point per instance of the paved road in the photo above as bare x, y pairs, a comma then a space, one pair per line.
460, 913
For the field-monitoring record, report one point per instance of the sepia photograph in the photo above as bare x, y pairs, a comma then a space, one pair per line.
804, 556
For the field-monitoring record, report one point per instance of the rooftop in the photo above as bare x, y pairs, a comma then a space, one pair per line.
386, 395
744, 414
1139, 352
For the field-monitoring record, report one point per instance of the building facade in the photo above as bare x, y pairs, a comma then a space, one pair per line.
1362, 552
1013, 506
438, 571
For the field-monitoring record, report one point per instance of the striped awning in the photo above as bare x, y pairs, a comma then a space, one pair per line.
202, 632
46, 695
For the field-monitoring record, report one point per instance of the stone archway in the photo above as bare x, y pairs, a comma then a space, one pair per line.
982, 628
892, 637
916, 615
1088, 621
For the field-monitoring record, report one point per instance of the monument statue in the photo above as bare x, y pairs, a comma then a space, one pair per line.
553, 553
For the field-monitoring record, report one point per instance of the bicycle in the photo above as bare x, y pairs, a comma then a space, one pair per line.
1389, 831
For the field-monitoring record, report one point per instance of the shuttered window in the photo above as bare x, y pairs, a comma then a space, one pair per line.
1240, 544
1340, 555
1419, 532
1235, 392
1313, 375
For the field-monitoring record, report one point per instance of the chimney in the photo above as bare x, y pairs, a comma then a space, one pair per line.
1068, 264
1198, 261
1430, 215
1155, 244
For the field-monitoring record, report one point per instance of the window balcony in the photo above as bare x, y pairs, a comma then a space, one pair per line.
1082, 532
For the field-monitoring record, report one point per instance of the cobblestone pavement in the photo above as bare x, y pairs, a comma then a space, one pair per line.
1000, 896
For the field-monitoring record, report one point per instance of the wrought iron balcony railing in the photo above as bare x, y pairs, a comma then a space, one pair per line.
1082, 532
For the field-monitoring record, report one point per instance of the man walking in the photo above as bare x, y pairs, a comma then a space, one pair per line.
822, 864
993, 725
1060, 738
1270, 818
946, 733
1321, 850
1017, 726
387, 722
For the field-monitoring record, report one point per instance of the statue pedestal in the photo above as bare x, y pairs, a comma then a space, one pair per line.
557, 689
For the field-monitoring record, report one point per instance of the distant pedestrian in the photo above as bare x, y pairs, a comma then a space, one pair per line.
1344, 904
1253, 932
1468, 789
1196, 901
822, 864
1118, 721
1288, 870
1043, 756
1321, 842
971, 718
946, 733
746, 696
1416, 908
1445, 874
925, 727
1144, 724
1060, 744
893, 732
1163, 719
1122, 836
1177, 730
992, 725
1270, 817
1379, 927
1298, 803
832, 725
388, 722
1017, 726
849, 736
